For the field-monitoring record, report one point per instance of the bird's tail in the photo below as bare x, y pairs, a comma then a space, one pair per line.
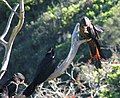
96, 58
97, 63
29, 90
95, 53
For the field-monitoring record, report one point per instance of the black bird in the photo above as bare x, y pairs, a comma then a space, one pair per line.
90, 31
10, 87
44, 70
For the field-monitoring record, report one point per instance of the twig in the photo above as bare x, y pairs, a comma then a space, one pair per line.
11, 40
14, 11
2, 40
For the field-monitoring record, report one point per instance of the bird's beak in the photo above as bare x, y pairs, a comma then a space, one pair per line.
83, 29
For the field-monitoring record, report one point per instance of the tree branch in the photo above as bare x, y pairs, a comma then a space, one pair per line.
8, 45
10, 7
75, 43
2, 40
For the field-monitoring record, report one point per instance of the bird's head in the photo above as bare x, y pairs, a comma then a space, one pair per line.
85, 24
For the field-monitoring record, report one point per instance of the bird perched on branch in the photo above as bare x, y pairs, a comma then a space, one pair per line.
10, 87
87, 31
44, 70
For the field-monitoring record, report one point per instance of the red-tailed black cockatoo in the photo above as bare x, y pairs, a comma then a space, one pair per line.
44, 70
90, 31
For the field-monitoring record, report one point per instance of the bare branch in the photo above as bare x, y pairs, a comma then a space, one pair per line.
10, 7
11, 40
75, 43
2, 40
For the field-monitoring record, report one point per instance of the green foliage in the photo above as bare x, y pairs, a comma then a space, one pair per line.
69, 12
112, 25
114, 78
101, 10
113, 82
27, 8
64, 13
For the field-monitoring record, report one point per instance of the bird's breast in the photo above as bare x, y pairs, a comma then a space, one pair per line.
84, 35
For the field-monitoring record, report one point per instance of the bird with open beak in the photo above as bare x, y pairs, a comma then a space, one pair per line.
87, 31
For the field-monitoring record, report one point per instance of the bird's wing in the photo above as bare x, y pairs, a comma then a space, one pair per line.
93, 32
99, 28
46, 66
96, 30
